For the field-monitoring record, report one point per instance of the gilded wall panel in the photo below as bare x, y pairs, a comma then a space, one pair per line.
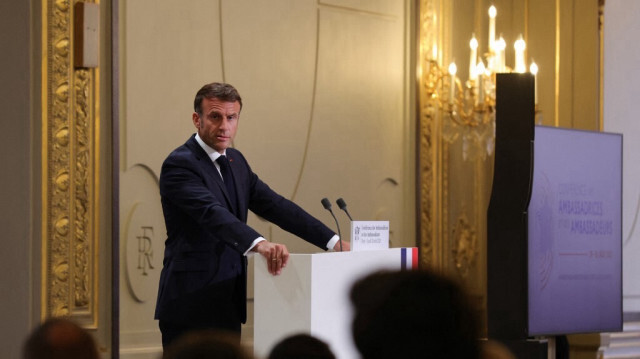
453, 186
70, 171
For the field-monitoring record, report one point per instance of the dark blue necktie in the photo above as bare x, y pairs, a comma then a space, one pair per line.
227, 177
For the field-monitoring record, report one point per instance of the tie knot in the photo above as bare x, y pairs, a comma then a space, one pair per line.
223, 161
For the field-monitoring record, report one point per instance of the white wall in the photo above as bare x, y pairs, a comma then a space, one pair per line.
622, 115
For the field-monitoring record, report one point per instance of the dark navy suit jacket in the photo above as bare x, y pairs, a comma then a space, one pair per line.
207, 235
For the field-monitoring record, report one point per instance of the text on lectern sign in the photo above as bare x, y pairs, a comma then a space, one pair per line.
369, 235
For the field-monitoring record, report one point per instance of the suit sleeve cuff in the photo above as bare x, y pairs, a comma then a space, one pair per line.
253, 244
333, 241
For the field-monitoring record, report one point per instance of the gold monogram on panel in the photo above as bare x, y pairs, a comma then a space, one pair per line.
70, 173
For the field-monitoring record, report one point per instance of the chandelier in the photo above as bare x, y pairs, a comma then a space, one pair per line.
467, 108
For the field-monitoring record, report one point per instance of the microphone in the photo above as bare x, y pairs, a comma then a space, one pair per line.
327, 205
343, 206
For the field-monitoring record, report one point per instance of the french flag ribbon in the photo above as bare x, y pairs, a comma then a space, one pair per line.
409, 258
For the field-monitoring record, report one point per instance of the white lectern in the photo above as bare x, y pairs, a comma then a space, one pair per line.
312, 296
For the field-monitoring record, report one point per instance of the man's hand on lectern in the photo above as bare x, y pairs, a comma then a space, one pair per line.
276, 255
345, 246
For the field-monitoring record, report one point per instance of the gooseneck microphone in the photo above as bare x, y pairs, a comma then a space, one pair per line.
343, 206
327, 205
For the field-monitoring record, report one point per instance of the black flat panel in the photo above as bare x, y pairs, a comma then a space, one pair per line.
507, 213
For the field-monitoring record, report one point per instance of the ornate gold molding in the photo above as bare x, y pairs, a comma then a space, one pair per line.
453, 191
464, 245
70, 173
426, 153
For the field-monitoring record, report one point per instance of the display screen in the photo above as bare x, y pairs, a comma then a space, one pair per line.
575, 232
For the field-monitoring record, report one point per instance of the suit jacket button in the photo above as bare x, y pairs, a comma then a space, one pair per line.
235, 244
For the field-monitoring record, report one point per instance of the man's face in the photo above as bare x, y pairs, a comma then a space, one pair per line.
218, 124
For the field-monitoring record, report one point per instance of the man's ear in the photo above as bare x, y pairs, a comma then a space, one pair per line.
196, 119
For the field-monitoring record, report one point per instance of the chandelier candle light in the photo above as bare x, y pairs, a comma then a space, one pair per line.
473, 44
469, 107
534, 71
492, 27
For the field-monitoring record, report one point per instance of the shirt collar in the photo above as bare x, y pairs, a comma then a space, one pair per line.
213, 154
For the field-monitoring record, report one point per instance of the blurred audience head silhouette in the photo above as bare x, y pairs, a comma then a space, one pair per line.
492, 349
60, 338
411, 314
301, 346
207, 344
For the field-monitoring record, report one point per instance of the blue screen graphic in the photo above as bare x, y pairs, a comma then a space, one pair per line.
575, 232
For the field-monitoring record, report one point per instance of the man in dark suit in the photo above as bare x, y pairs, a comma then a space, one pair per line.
206, 189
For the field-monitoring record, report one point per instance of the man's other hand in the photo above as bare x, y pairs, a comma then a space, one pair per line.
276, 255
345, 246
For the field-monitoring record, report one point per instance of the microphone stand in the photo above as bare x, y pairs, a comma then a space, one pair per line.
327, 205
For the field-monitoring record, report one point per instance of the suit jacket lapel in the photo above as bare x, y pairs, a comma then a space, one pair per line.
210, 169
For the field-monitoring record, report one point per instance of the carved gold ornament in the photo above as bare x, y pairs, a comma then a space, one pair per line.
70, 172
464, 246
